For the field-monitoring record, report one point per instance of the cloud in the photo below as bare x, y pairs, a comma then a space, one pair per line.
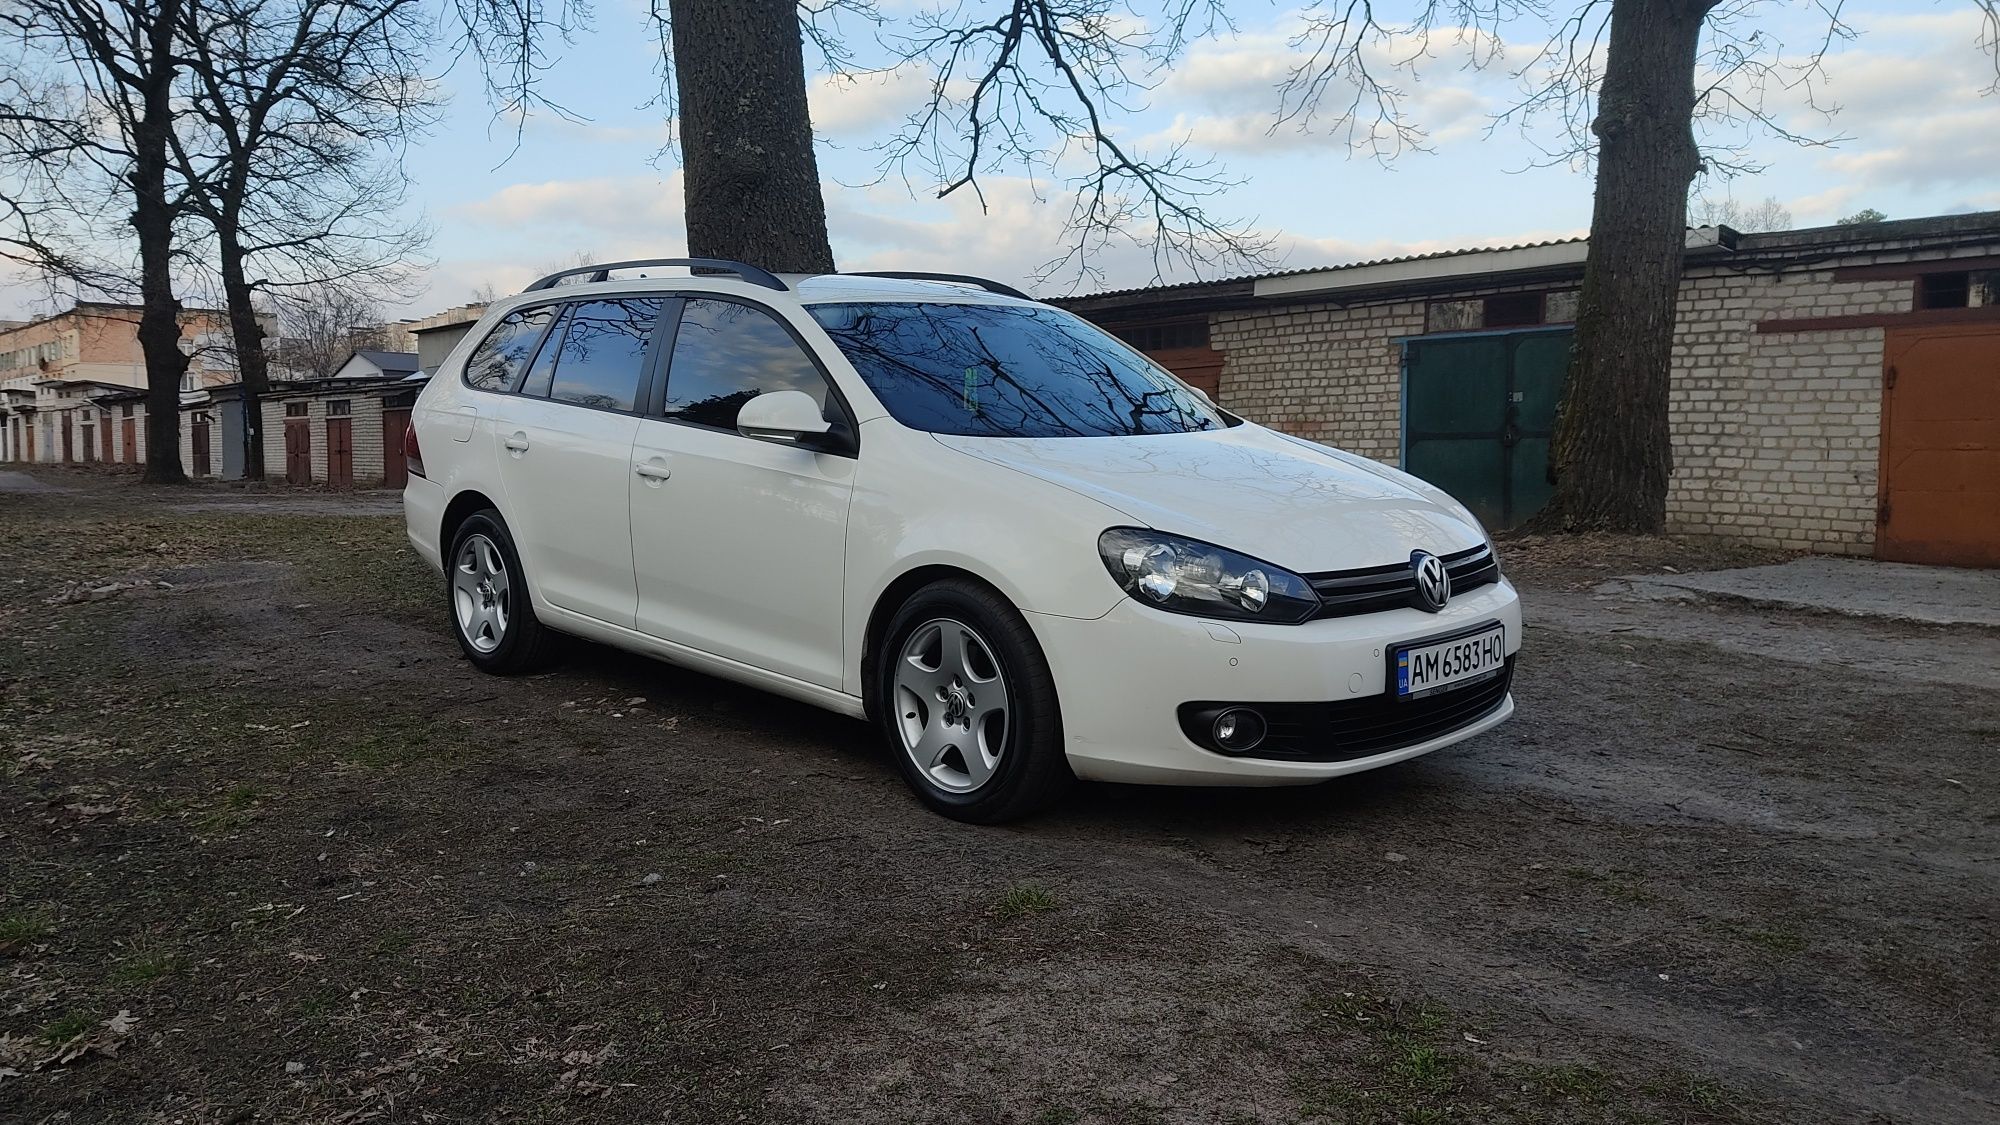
878, 227
865, 105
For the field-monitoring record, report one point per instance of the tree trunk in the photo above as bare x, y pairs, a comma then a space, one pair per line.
153, 221
252, 363
1613, 454
752, 182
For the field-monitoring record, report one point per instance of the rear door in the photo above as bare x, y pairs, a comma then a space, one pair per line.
565, 447
740, 544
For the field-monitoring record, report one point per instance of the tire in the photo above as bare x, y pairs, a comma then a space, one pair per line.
993, 693
494, 621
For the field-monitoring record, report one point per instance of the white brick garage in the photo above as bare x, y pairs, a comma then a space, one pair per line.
1778, 379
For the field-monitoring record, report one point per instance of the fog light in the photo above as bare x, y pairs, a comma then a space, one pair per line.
1238, 729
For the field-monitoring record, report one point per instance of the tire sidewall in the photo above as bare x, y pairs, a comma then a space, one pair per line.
488, 523
1028, 731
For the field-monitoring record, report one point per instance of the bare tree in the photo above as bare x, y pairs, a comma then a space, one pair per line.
752, 180
98, 128
319, 326
1030, 86
1730, 212
294, 106
91, 123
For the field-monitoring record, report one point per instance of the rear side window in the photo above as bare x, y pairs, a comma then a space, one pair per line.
726, 354
541, 374
603, 353
498, 360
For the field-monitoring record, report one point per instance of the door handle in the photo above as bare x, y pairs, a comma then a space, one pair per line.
654, 471
517, 442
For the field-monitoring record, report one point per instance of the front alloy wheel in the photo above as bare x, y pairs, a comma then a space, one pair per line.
964, 698
951, 705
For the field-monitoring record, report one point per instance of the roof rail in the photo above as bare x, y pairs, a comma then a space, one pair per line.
602, 271
962, 279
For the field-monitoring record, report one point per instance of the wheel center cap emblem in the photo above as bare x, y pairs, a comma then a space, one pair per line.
1433, 581
954, 703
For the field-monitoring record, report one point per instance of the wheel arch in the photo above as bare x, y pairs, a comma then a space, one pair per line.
461, 506
890, 600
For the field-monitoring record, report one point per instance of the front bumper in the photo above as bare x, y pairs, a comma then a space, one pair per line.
1122, 677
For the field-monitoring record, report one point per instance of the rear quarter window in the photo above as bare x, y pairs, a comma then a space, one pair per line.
496, 364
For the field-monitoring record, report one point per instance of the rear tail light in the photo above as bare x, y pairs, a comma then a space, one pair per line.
413, 457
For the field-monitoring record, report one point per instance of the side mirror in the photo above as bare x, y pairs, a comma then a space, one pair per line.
790, 418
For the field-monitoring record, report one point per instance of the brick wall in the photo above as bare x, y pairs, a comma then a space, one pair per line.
1776, 436
1322, 372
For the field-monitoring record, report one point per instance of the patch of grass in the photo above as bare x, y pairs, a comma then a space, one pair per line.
232, 811
1582, 1083
1057, 1115
21, 927
65, 1027
394, 943
1024, 899
320, 1002
1616, 885
1782, 940
148, 962
1423, 1071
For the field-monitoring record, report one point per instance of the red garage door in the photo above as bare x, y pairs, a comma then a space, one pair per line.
1940, 488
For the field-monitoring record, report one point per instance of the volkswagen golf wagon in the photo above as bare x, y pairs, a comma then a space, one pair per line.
1021, 549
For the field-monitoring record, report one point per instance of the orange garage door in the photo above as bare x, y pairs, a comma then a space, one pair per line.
1941, 446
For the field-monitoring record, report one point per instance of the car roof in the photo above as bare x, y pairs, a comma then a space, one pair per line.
801, 289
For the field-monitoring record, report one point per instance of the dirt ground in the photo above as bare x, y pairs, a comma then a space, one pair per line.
271, 851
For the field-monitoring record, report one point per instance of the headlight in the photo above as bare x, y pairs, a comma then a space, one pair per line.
1188, 576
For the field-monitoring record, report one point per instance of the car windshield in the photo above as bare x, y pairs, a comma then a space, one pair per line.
1008, 371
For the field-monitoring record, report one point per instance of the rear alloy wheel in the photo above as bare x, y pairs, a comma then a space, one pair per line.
967, 705
487, 595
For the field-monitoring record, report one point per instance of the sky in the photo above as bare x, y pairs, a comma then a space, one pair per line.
1916, 136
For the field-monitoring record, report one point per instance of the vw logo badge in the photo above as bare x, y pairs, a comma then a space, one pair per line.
1433, 580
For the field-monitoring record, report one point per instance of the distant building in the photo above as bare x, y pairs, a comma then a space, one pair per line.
438, 333
56, 372
369, 364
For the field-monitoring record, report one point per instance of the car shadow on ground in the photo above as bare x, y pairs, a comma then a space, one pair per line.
819, 740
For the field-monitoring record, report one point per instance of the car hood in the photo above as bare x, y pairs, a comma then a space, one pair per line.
1286, 501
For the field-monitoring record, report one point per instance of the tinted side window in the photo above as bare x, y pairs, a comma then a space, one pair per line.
498, 360
603, 353
541, 373
726, 354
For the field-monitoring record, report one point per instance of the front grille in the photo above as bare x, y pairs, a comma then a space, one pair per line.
1371, 589
1357, 728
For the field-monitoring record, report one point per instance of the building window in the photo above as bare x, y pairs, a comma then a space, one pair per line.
296, 409
125, 410
1513, 310
1960, 289
339, 406
1166, 337
1944, 290
1502, 310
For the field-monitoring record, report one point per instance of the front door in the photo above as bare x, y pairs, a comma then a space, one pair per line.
129, 440
1940, 488
739, 543
298, 450
198, 447
89, 443
1478, 413
564, 444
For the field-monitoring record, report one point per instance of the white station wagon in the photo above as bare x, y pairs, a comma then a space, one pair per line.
1021, 549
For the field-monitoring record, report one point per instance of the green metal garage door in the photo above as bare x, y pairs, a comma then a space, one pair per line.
1477, 414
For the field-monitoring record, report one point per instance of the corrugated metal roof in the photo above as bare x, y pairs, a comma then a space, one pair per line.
1332, 268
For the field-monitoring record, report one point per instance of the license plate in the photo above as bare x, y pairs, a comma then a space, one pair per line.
1434, 666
